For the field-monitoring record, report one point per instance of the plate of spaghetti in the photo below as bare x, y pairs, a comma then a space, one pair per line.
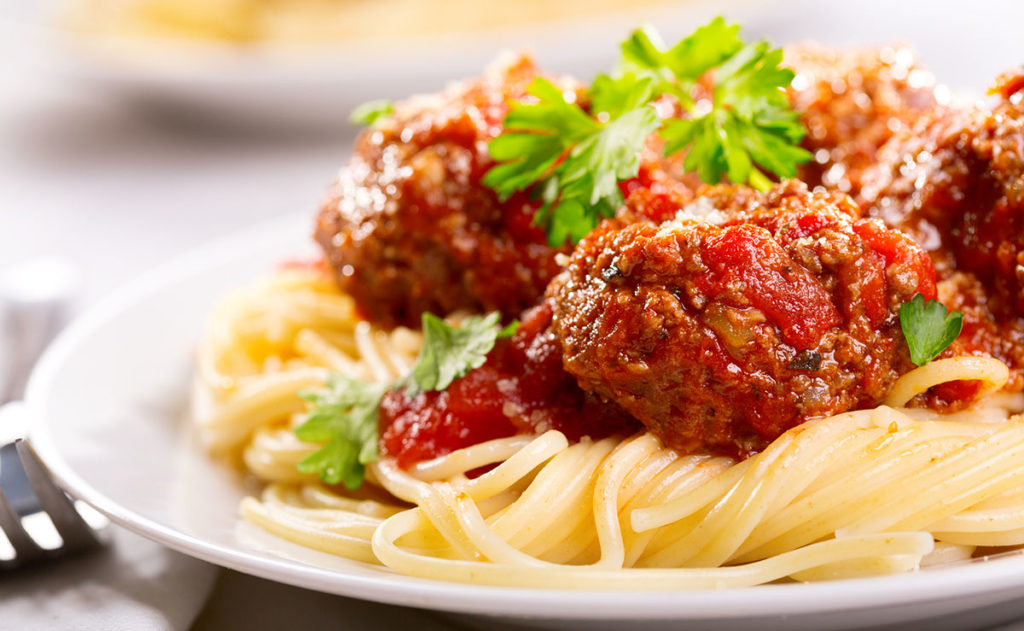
731, 332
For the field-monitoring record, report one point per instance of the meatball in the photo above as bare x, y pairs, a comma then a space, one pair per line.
955, 182
660, 188
408, 226
744, 316
851, 102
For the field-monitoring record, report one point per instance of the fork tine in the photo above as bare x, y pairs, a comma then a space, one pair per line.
77, 534
25, 547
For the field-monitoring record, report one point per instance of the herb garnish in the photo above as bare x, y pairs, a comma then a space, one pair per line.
928, 327
369, 112
345, 413
575, 160
572, 158
449, 352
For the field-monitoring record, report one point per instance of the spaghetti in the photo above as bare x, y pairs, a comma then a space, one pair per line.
861, 493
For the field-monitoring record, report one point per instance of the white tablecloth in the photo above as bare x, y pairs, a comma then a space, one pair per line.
131, 584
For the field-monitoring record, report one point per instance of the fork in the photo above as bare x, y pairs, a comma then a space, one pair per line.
76, 535
34, 301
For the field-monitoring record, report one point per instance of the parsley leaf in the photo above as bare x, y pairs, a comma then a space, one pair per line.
750, 122
611, 98
572, 157
928, 327
344, 416
575, 160
449, 352
536, 136
369, 112
676, 69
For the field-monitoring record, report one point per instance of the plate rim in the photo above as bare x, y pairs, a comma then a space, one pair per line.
942, 584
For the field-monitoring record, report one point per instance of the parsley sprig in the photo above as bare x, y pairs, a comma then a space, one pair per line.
574, 159
449, 352
928, 327
572, 156
368, 113
750, 123
676, 70
344, 415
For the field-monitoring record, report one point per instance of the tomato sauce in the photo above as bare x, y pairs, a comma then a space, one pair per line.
786, 293
521, 389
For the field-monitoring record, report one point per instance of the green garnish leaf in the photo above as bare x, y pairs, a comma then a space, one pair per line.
509, 330
369, 112
611, 98
572, 158
928, 327
750, 122
344, 416
536, 136
449, 352
682, 65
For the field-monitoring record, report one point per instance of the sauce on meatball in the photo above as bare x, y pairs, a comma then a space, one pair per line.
721, 336
955, 182
852, 102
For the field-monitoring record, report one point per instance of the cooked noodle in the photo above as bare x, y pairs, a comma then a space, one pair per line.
861, 493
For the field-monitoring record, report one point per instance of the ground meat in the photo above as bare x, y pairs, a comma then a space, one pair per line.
720, 336
955, 182
661, 186
851, 102
408, 227
521, 389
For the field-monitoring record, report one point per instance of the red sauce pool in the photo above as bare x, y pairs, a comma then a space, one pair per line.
522, 389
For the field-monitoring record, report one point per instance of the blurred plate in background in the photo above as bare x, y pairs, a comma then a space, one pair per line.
315, 81
210, 70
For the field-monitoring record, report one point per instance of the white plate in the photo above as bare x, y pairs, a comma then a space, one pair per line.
108, 401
